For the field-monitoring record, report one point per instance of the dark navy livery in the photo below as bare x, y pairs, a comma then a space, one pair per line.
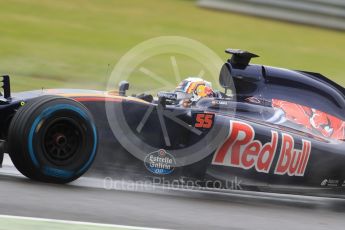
273, 129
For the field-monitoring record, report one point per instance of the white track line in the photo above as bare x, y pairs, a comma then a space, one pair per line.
7, 161
77, 222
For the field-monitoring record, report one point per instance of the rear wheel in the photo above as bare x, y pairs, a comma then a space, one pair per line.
52, 139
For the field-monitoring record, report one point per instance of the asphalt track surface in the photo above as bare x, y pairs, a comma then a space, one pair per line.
157, 207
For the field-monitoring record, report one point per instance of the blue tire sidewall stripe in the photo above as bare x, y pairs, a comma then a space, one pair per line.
49, 171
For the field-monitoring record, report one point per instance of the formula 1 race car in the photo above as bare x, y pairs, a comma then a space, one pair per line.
278, 129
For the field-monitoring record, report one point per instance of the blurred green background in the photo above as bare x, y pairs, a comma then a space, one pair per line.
63, 43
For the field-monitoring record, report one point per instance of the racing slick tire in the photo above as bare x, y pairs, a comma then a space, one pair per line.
52, 139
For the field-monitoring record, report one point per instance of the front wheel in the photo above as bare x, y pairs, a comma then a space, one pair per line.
52, 139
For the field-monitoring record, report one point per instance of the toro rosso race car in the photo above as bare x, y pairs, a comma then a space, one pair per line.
270, 128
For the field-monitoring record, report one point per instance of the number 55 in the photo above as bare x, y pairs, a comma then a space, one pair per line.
204, 120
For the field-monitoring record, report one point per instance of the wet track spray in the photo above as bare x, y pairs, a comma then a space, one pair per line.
96, 199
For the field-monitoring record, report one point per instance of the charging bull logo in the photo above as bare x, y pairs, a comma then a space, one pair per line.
317, 121
241, 150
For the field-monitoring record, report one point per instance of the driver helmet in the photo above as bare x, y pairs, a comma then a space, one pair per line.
194, 88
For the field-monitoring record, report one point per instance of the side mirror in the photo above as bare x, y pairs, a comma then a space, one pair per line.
225, 78
167, 98
123, 87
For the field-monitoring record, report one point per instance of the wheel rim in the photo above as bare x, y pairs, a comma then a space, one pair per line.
62, 140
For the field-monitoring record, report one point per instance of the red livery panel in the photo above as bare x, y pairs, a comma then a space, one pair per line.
241, 150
